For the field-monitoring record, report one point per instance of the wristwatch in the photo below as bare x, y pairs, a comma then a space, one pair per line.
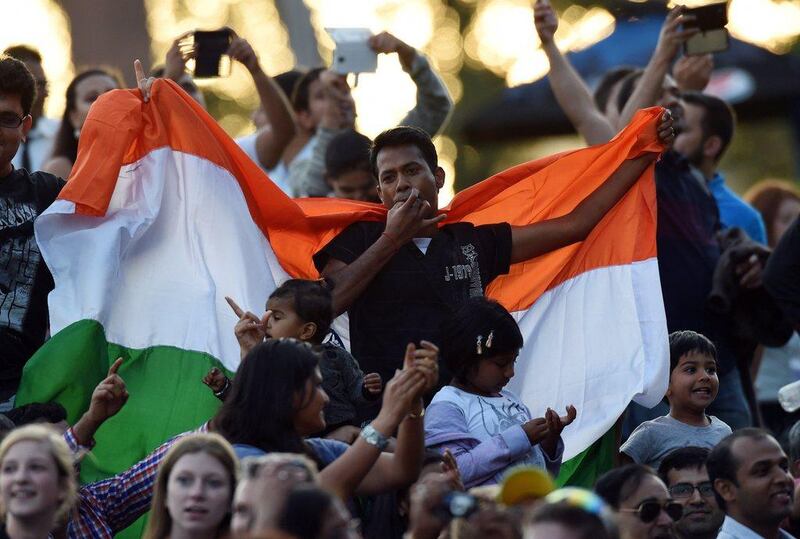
373, 437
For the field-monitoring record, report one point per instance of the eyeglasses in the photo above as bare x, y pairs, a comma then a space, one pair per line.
11, 120
649, 511
686, 490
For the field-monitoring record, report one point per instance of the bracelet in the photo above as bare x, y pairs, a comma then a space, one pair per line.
374, 438
420, 415
393, 241
222, 392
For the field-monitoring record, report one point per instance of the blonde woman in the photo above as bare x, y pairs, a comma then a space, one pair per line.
194, 490
37, 481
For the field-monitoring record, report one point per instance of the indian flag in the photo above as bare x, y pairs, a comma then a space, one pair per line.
164, 216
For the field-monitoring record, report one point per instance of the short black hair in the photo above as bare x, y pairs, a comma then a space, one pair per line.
300, 93
346, 152
312, 301
37, 412
23, 53
686, 342
721, 463
682, 459
718, 120
582, 523
404, 136
476, 319
627, 86
602, 91
617, 485
15, 79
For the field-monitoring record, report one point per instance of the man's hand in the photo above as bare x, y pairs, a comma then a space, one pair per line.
178, 53
408, 217
250, 330
692, 73
545, 20
143, 82
339, 111
426, 521
672, 35
241, 51
665, 129
387, 43
373, 383
555, 426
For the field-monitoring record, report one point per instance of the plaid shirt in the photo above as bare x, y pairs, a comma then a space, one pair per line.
109, 506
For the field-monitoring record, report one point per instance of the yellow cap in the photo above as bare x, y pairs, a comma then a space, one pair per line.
525, 483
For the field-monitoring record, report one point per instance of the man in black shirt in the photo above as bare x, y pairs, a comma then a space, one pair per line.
398, 280
24, 278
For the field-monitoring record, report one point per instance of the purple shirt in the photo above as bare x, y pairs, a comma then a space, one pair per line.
484, 434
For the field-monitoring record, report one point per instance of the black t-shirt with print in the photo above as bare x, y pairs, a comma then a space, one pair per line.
25, 280
414, 292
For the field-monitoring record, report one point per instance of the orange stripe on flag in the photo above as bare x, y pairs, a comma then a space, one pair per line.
121, 129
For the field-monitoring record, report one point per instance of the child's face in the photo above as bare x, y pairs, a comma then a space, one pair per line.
693, 383
494, 373
284, 321
355, 185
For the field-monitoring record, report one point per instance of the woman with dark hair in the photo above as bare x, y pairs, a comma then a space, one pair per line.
487, 428
84, 90
276, 402
778, 202
641, 501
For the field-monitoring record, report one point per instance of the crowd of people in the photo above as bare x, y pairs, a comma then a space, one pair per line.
429, 442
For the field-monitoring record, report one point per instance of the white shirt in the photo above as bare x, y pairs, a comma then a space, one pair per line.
39, 142
731, 529
280, 173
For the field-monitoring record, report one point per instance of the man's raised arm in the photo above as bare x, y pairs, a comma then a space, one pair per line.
568, 87
533, 240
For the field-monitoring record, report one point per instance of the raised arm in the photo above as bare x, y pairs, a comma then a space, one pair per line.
433, 100
108, 398
271, 141
533, 240
650, 88
363, 468
568, 87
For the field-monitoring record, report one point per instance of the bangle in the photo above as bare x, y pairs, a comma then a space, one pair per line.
393, 241
374, 438
223, 392
420, 415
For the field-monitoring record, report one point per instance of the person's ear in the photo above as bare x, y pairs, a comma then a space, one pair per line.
378, 189
712, 147
726, 489
796, 468
308, 330
27, 123
329, 181
438, 174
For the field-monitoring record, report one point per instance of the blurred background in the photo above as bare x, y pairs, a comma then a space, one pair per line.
486, 51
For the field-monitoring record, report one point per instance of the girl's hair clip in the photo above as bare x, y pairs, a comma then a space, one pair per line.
479, 348
489, 339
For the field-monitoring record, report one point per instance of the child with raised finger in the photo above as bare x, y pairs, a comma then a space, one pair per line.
302, 309
486, 427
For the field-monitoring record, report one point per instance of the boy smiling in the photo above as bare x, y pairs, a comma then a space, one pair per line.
693, 386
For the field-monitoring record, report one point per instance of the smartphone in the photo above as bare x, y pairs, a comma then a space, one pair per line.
713, 36
211, 47
352, 53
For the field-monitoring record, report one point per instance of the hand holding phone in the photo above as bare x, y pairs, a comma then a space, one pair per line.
211, 52
353, 53
712, 36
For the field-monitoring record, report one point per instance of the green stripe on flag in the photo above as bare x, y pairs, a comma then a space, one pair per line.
584, 469
167, 395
